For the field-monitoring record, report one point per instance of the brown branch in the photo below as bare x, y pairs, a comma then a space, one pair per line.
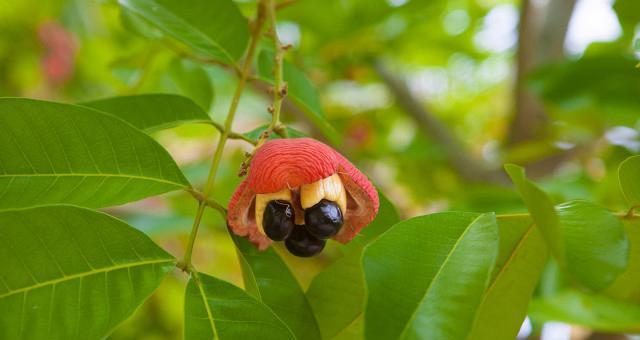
466, 165
541, 36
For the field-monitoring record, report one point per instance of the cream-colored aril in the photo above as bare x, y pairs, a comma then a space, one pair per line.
329, 188
263, 199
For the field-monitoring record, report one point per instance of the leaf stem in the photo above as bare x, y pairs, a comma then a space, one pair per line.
234, 135
256, 34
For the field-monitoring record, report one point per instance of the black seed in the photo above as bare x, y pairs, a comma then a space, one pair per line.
301, 243
324, 219
278, 220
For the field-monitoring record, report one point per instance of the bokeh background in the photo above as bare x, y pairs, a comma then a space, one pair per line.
428, 97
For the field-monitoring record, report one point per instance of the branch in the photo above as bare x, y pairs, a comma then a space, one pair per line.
468, 167
541, 36
232, 134
279, 90
256, 34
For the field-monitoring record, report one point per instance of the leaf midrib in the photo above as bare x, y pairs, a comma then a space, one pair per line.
154, 179
83, 274
507, 263
435, 277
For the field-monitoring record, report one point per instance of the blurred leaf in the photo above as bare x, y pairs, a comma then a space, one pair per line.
70, 272
215, 309
152, 112
596, 244
541, 209
595, 311
628, 16
214, 28
192, 81
519, 264
626, 287
426, 276
573, 82
59, 153
255, 133
269, 280
337, 294
629, 176
300, 90
137, 25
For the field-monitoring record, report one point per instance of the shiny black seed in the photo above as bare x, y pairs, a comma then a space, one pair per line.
301, 243
324, 219
278, 220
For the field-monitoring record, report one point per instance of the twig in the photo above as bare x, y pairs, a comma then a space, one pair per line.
210, 202
280, 90
246, 68
233, 135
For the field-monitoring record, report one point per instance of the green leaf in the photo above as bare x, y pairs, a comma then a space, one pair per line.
337, 294
192, 81
269, 280
570, 83
596, 244
520, 262
255, 133
137, 25
217, 309
152, 112
541, 209
214, 28
72, 273
426, 276
629, 176
300, 90
59, 153
626, 287
594, 311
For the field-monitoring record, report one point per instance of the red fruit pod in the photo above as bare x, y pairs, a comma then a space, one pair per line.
287, 165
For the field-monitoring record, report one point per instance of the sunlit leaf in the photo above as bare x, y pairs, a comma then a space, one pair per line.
59, 153
215, 309
152, 112
596, 244
269, 280
541, 209
629, 175
72, 273
426, 276
626, 287
214, 28
518, 267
